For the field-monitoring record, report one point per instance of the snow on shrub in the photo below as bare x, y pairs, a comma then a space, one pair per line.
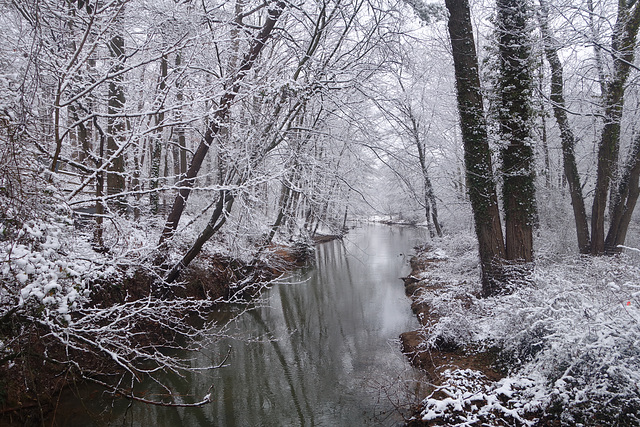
578, 332
467, 398
39, 274
569, 343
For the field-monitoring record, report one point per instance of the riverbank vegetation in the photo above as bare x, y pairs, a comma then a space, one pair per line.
78, 314
159, 156
561, 350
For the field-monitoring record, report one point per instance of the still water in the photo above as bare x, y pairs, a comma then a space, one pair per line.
321, 351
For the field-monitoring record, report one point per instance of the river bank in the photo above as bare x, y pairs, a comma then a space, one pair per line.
560, 351
39, 367
438, 354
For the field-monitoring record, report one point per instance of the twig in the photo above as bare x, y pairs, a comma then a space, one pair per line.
129, 395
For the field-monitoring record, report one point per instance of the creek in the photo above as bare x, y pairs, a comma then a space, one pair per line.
320, 349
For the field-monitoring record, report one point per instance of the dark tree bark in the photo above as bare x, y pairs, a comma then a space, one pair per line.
477, 153
430, 203
625, 201
82, 139
544, 136
544, 139
217, 220
100, 208
218, 118
623, 47
623, 192
515, 86
180, 161
156, 140
283, 212
567, 137
116, 125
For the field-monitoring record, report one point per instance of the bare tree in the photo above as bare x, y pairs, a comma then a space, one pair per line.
399, 110
216, 122
619, 189
115, 112
567, 136
623, 43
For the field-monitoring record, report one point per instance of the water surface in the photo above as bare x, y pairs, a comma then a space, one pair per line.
321, 351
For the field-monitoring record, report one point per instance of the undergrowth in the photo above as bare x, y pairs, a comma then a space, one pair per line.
568, 342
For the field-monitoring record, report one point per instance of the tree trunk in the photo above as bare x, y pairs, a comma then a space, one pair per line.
430, 204
100, 209
545, 149
431, 207
544, 138
217, 220
180, 131
115, 124
625, 201
567, 137
136, 185
83, 137
285, 201
218, 118
477, 154
515, 86
156, 139
622, 47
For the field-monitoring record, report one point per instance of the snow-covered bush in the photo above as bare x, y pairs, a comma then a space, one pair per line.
578, 333
467, 398
62, 300
568, 343
42, 274
43, 278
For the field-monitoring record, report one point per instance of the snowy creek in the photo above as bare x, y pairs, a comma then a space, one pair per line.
320, 349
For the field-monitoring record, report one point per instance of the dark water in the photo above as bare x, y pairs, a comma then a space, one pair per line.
322, 351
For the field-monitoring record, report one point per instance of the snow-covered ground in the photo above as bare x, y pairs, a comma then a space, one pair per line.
568, 343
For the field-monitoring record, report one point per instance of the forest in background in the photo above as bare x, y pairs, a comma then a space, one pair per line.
140, 136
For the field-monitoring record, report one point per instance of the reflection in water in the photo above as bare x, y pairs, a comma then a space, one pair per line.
323, 351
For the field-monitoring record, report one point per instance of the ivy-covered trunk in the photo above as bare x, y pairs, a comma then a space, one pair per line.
477, 153
514, 116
